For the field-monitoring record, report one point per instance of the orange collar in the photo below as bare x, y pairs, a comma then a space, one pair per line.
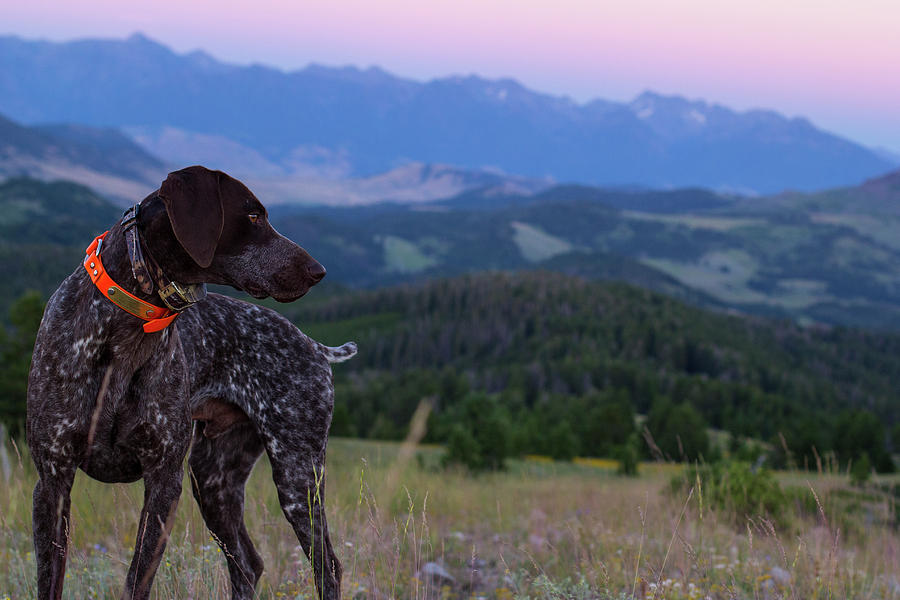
157, 318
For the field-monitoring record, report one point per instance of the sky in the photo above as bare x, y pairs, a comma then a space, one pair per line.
834, 62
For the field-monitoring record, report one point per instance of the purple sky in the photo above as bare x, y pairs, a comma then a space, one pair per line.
836, 62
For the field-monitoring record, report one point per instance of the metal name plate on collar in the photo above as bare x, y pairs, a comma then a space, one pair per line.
178, 297
129, 304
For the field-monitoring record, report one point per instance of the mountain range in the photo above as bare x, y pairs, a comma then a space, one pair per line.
342, 122
314, 146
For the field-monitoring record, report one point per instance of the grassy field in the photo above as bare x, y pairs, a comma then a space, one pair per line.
538, 530
725, 274
535, 244
404, 256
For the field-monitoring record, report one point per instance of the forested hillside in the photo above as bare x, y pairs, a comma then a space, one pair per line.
566, 360
44, 229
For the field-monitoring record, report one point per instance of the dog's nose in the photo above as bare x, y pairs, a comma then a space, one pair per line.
316, 271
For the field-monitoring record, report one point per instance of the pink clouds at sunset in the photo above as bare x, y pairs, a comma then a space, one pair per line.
834, 62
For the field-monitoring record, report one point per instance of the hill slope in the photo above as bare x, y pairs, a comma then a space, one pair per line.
370, 121
103, 158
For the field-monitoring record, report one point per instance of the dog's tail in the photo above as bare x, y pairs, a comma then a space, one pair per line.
340, 353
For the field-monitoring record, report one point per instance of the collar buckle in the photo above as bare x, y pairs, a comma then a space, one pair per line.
178, 297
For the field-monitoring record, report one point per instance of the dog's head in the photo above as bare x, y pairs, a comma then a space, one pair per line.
224, 231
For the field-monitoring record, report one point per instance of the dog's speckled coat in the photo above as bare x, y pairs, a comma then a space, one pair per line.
255, 359
105, 397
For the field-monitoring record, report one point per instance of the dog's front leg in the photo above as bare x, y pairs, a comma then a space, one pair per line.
162, 489
160, 438
51, 530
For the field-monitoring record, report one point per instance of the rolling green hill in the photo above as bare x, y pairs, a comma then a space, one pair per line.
830, 258
776, 257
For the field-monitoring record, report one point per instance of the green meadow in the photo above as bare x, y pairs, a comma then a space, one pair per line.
539, 529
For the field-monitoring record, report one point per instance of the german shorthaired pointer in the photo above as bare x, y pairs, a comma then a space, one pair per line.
114, 383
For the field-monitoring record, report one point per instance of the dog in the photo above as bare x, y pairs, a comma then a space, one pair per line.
110, 385
259, 384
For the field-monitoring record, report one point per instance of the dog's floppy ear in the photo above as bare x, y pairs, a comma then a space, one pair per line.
194, 206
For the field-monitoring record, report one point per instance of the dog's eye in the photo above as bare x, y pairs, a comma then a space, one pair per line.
254, 217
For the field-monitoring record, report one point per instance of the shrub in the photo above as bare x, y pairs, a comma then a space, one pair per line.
628, 455
861, 433
861, 470
479, 438
678, 430
605, 423
562, 442
463, 449
736, 489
